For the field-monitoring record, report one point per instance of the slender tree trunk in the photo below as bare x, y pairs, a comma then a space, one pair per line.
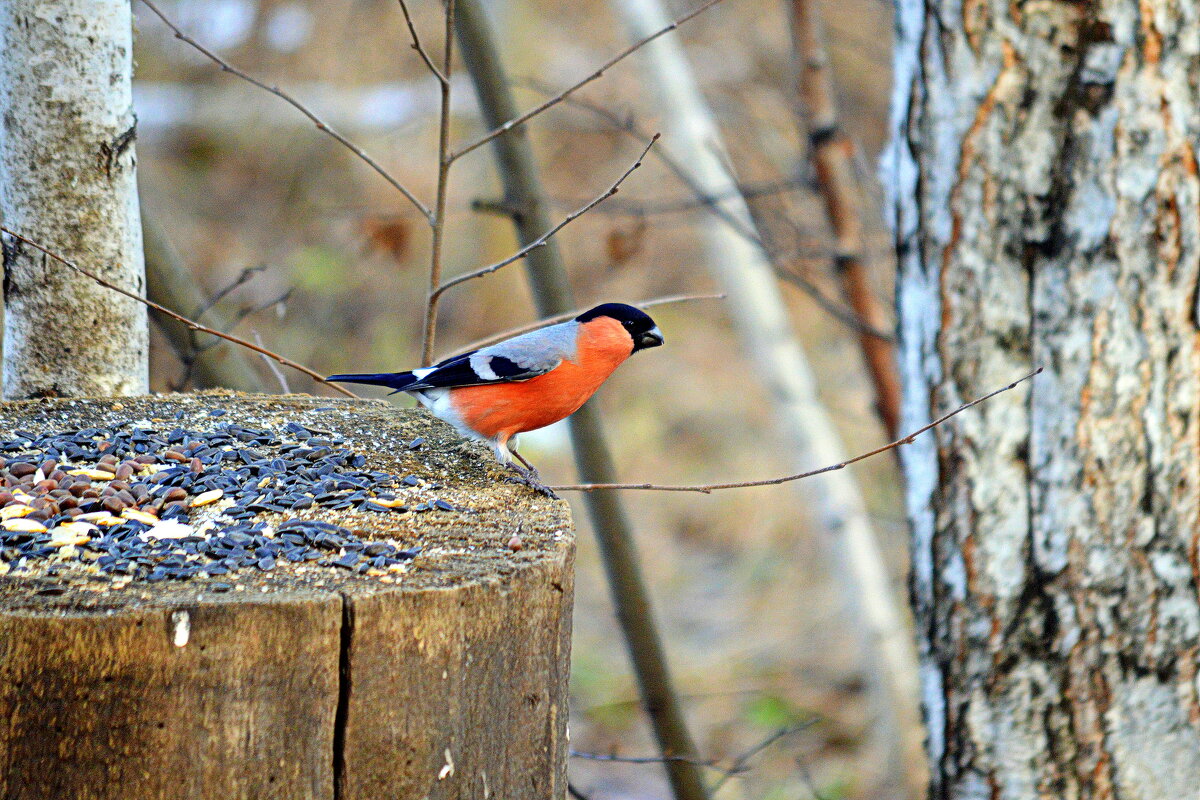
1047, 211
552, 295
833, 500
832, 154
67, 178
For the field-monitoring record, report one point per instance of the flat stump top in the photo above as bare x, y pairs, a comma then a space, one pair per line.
319, 495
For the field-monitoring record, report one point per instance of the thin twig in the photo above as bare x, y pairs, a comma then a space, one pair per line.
741, 762
575, 793
243, 277
281, 300
416, 45
533, 326
806, 776
629, 126
192, 324
545, 237
271, 365
831, 307
738, 765
294, 103
443, 188
712, 487
678, 205
712, 204
553, 101
640, 759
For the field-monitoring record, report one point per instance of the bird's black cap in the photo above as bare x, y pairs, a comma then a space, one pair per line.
638, 323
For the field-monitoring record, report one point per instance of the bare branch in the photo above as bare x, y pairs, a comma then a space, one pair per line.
193, 325
443, 188
416, 45
533, 326
712, 487
741, 762
738, 765
294, 103
545, 237
553, 101
639, 759
831, 307
281, 300
243, 277
712, 204
629, 126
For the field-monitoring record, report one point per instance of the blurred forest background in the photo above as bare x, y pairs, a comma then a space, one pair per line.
238, 180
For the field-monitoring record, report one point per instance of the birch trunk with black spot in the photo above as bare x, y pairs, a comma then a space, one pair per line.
1047, 211
67, 180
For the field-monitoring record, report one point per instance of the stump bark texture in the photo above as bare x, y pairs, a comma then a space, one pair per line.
450, 682
1047, 208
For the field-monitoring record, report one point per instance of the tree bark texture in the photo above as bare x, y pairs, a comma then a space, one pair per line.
67, 179
1047, 212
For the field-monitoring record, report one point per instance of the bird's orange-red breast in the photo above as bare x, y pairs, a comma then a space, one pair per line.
502, 410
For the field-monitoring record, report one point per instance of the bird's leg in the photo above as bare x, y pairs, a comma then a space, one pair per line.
532, 469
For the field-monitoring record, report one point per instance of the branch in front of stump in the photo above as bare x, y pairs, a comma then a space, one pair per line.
708, 488
192, 324
320, 124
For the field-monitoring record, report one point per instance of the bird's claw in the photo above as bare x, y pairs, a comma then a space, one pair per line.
530, 478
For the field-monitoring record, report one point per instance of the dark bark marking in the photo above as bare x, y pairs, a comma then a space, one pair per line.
112, 150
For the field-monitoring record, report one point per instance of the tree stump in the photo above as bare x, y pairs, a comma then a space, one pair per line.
441, 677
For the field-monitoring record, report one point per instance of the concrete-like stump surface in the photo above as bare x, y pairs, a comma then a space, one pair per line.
443, 677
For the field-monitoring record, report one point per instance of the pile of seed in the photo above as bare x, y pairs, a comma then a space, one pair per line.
133, 500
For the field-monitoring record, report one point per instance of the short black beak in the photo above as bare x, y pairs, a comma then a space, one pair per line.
651, 338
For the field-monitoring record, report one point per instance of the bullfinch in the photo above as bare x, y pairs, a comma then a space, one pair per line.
526, 382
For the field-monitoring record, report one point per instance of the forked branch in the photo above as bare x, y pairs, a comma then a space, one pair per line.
545, 237
294, 103
416, 45
192, 324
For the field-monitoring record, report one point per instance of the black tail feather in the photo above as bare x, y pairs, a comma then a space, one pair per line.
393, 380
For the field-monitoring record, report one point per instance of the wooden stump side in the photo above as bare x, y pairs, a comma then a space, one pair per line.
461, 693
444, 679
104, 706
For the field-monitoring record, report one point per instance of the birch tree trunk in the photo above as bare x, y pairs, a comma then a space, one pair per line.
833, 500
1047, 211
67, 179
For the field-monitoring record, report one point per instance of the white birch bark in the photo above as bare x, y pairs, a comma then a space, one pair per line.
806, 432
1047, 212
67, 180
